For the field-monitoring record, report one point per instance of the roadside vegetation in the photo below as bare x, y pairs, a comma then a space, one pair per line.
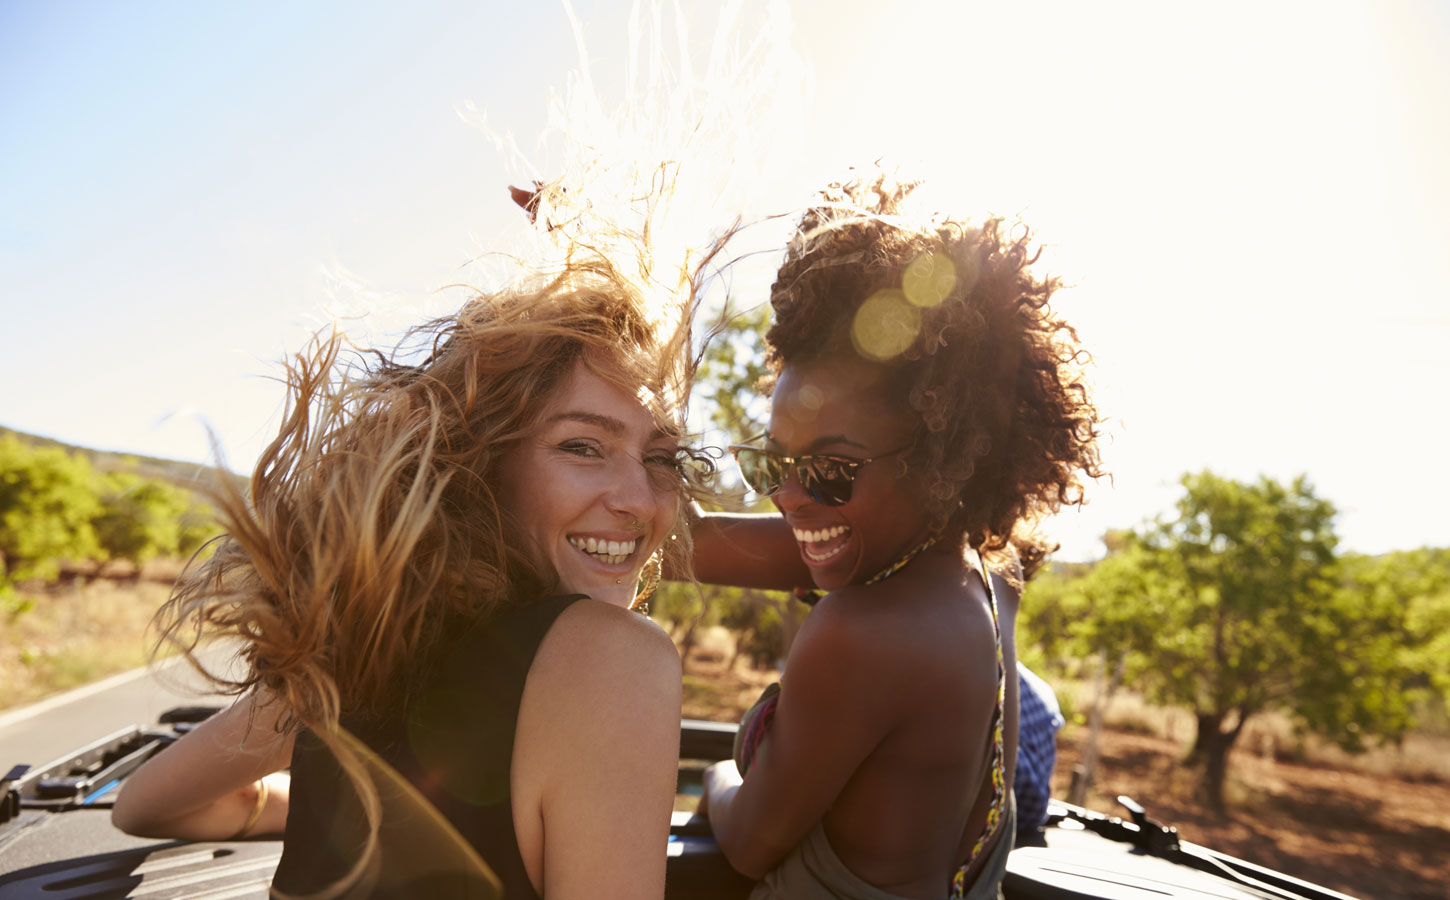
89, 544
1238, 605
79, 629
60, 511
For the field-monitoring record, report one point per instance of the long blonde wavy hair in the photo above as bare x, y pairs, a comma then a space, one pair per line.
373, 517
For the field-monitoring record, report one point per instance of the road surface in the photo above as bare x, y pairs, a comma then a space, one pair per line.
43, 731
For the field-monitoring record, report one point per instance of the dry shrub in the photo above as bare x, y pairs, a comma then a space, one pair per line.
75, 633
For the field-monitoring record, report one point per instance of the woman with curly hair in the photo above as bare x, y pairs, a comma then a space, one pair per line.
431, 584
925, 413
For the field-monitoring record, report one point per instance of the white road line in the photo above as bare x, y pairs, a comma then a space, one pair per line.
80, 693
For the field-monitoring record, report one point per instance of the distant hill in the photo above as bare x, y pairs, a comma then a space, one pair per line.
189, 475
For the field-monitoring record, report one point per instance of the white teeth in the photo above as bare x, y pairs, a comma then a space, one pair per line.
822, 557
815, 537
609, 552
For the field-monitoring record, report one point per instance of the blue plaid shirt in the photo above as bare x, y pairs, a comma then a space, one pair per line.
1037, 726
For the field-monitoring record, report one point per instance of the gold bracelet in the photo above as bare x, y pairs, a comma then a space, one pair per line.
262, 791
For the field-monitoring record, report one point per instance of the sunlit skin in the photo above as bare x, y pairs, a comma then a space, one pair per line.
889, 687
597, 480
842, 409
597, 739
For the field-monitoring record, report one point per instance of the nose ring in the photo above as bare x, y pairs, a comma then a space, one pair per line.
636, 525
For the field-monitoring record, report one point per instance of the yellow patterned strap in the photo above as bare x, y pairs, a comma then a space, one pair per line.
999, 770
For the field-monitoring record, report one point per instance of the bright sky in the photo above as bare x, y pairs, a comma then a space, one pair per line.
1250, 199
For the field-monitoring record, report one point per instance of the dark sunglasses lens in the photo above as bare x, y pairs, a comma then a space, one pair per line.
828, 481
761, 471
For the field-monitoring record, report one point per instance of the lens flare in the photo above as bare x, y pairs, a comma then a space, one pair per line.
885, 325
811, 397
929, 279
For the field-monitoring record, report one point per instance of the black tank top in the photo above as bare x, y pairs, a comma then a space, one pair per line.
454, 743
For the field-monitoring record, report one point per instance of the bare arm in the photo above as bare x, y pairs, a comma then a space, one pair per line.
833, 712
750, 550
207, 785
597, 756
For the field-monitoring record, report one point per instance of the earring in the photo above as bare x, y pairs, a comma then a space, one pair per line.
650, 580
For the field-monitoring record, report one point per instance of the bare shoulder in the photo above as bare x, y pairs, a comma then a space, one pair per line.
595, 643
603, 678
848, 640
907, 625
840, 626
903, 606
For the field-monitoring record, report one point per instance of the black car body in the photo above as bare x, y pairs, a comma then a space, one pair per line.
57, 842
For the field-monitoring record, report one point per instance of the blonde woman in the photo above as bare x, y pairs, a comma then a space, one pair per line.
435, 570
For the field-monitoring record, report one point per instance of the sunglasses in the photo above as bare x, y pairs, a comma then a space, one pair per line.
826, 477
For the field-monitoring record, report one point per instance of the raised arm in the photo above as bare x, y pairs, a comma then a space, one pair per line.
596, 756
750, 550
216, 782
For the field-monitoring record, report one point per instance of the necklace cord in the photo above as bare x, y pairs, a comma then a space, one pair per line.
810, 597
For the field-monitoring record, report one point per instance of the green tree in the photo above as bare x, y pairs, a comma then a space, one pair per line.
47, 501
1051, 610
140, 518
1235, 606
732, 371
198, 525
683, 609
1411, 592
1071, 613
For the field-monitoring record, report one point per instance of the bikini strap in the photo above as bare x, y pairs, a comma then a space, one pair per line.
999, 771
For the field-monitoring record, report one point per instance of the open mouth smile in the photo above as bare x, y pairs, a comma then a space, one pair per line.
822, 545
611, 553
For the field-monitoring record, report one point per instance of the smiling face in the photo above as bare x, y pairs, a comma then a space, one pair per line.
592, 467
841, 408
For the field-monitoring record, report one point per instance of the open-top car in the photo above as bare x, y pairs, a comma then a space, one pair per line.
57, 841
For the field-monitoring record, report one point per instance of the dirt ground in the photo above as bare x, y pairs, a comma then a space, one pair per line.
1365, 835
1369, 836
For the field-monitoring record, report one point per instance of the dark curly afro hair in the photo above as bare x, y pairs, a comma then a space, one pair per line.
967, 338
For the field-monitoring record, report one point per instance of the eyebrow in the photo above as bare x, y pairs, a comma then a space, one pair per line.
607, 423
611, 425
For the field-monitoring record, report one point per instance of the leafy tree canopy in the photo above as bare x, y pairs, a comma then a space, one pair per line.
55, 507
1238, 603
140, 518
47, 502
